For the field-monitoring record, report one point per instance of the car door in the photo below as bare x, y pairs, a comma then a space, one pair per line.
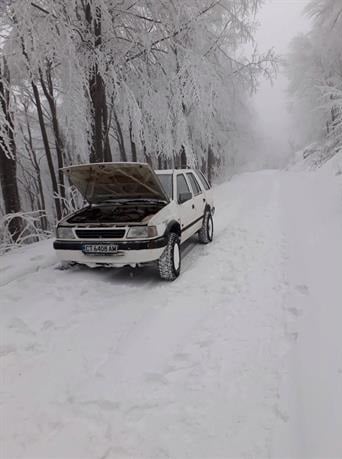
198, 200
206, 188
187, 210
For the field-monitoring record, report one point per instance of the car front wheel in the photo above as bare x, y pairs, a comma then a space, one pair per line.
169, 263
206, 233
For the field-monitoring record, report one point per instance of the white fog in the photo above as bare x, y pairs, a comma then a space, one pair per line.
280, 21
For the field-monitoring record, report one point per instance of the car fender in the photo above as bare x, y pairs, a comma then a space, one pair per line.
164, 215
173, 227
210, 201
167, 219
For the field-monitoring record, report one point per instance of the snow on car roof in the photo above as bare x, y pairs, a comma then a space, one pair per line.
171, 171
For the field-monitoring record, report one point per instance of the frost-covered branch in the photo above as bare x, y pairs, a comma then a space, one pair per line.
315, 72
105, 80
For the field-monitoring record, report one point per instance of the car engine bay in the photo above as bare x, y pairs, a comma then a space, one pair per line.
116, 213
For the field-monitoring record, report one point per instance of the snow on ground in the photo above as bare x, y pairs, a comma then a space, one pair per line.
21, 262
312, 387
240, 357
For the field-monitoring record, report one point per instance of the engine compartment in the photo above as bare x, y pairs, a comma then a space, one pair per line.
116, 213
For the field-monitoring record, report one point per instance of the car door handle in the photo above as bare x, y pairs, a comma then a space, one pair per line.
193, 206
203, 200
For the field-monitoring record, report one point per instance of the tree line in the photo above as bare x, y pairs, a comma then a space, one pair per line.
314, 68
105, 80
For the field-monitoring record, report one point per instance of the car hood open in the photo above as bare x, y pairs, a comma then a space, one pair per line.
110, 181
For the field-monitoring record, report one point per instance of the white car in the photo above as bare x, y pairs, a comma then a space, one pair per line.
135, 216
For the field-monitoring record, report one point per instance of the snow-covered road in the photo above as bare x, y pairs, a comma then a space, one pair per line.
240, 357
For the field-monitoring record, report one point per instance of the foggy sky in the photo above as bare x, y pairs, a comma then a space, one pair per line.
280, 21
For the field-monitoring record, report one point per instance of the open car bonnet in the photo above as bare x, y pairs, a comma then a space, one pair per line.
110, 181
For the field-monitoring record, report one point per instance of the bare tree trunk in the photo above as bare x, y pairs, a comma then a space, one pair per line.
97, 153
41, 192
8, 166
10, 192
45, 138
123, 154
100, 149
183, 160
33, 158
133, 145
107, 154
49, 94
210, 163
148, 158
204, 166
177, 161
47, 149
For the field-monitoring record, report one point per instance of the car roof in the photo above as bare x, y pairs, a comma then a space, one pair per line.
172, 171
112, 163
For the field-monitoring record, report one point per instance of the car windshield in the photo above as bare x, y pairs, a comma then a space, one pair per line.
167, 184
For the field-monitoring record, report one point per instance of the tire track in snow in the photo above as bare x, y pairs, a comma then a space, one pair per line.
151, 369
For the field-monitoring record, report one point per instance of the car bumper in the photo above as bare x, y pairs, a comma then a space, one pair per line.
129, 253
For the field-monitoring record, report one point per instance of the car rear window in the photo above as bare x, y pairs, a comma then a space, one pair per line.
203, 180
194, 183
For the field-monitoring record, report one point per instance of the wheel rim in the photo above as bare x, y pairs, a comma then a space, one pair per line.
210, 228
176, 257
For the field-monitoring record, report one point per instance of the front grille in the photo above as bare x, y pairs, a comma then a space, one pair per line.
100, 233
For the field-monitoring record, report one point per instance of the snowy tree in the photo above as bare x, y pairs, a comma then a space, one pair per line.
315, 72
8, 165
98, 80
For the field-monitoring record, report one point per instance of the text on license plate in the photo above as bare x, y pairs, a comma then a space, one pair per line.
99, 249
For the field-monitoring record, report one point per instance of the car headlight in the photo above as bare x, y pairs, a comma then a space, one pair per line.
64, 233
142, 232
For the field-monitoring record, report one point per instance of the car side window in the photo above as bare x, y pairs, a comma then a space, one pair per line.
203, 180
194, 183
182, 186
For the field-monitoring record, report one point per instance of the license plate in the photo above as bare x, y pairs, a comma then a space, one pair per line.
99, 249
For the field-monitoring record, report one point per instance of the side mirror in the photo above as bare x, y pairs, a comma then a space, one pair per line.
183, 197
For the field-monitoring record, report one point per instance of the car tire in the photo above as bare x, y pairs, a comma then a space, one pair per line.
206, 233
169, 263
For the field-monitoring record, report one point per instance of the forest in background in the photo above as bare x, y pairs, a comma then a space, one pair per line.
314, 69
167, 83
162, 82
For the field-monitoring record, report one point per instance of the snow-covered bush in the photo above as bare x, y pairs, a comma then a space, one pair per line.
72, 200
31, 230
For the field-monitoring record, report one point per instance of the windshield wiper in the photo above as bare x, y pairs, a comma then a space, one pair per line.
154, 201
130, 200
111, 201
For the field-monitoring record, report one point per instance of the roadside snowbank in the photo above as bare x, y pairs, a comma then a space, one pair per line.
26, 260
314, 157
311, 391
